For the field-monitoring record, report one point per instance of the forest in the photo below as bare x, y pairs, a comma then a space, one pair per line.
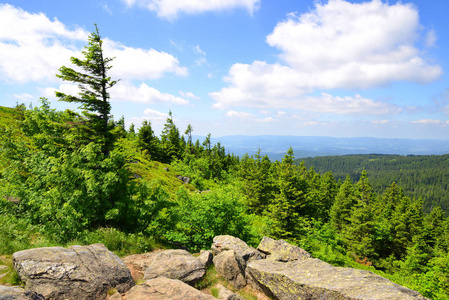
69, 177
421, 176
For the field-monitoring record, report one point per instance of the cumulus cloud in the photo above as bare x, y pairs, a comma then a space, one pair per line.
137, 63
325, 103
35, 47
238, 114
427, 121
380, 122
336, 45
126, 92
248, 116
189, 95
154, 114
170, 9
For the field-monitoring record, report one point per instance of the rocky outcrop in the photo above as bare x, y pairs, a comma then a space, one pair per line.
280, 250
79, 272
163, 288
276, 268
315, 279
231, 267
227, 242
174, 264
225, 294
15, 293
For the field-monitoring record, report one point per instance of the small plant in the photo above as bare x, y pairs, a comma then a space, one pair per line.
214, 292
209, 279
8, 276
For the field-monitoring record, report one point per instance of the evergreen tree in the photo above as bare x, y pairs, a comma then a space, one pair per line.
148, 141
94, 96
344, 202
172, 144
289, 201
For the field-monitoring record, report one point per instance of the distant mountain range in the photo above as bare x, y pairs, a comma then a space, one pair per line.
309, 146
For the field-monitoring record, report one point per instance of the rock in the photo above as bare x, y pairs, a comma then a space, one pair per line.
225, 294
116, 296
315, 279
163, 288
15, 293
174, 264
206, 257
227, 242
79, 272
280, 250
231, 267
183, 178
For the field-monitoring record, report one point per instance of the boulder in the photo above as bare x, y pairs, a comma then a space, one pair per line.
315, 279
231, 267
280, 250
225, 294
16, 293
206, 257
163, 288
79, 272
174, 264
227, 242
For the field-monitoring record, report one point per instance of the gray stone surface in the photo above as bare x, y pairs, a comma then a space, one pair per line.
174, 264
16, 293
281, 250
225, 294
231, 267
227, 242
206, 257
315, 279
163, 288
79, 272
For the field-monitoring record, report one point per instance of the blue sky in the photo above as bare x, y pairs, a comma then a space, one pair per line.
253, 67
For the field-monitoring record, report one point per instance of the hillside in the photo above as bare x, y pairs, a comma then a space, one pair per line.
422, 176
59, 187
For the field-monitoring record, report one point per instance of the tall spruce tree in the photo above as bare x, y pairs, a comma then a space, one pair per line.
94, 95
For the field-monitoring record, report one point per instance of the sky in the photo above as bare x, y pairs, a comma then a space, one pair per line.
244, 67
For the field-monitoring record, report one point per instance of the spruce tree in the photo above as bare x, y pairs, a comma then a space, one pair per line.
94, 84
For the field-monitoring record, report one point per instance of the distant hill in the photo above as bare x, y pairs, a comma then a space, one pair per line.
310, 146
425, 176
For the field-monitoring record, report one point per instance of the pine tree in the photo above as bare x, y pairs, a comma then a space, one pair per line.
94, 96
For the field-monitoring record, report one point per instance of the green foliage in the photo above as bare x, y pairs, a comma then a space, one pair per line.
209, 279
147, 141
202, 216
422, 176
94, 96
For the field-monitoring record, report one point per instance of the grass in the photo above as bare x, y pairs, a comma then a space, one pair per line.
8, 276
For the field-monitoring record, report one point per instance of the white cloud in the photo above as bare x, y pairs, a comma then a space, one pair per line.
336, 45
189, 95
137, 63
35, 47
431, 38
24, 97
426, 121
380, 122
106, 8
325, 103
198, 50
32, 47
151, 113
244, 116
170, 9
239, 114
124, 91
